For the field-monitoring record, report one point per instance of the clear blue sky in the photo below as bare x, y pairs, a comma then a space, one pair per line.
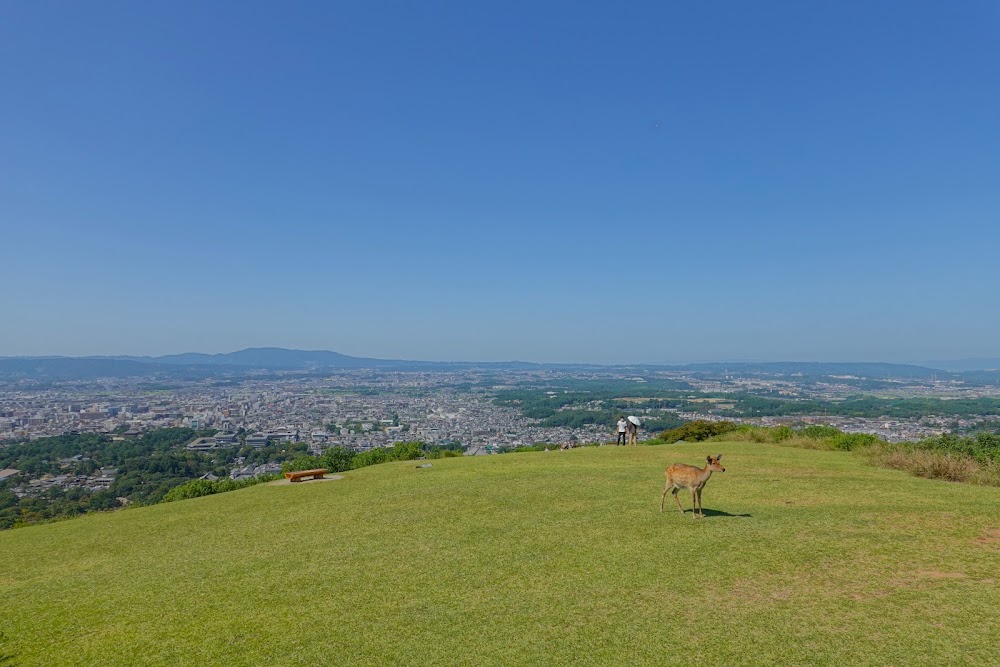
662, 181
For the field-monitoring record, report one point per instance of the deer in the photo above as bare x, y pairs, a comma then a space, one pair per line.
682, 476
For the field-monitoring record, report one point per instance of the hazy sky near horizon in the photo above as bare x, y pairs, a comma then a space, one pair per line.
573, 181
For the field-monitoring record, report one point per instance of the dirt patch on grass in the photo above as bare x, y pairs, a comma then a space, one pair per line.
286, 482
990, 537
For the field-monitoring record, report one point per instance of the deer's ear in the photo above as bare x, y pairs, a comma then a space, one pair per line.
708, 458
719, 457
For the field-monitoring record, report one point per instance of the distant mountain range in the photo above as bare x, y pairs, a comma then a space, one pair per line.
963, 365
197, 365
275, 358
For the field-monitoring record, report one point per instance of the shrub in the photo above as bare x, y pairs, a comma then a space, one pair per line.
694, 431
782, 433
370, 458
202, 487
337, 459
302, 463
851, 441
193, 489
985, 447
406, 451
816, 432
537, 447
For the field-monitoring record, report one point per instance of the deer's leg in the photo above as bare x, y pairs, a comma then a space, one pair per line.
701, 506
694, 504
677, 500
664, 496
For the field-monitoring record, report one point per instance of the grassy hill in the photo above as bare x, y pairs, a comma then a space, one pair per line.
558, 558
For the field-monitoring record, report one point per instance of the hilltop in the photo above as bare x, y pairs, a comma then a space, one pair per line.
805, 557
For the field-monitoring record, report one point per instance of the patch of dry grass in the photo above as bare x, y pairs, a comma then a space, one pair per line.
933, 464
922, 461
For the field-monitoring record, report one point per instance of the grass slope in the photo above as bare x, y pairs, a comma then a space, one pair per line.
559, 558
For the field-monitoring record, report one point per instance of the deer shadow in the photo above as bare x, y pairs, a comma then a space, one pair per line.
709, 513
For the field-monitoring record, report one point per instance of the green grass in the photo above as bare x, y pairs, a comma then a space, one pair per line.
559, 558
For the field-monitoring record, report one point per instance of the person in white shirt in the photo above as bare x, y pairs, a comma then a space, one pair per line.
622, 425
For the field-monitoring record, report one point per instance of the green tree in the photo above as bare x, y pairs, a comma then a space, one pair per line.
337, 459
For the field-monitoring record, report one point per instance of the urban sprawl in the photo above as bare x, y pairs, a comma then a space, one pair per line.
362, 409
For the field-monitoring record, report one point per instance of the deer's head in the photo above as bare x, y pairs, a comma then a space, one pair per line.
714, 465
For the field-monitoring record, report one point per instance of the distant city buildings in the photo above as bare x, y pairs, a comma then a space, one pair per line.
361, 409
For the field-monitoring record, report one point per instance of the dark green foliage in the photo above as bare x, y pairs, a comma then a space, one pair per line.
782, 433
401, 451
166, 473
537, 447
852, 441
148, 467
56, 503
986, 426
302, 463
554, 403
578, 418
370, 458
337, 459
203, 487
406, 451
817, 431
41, 456
695, 431
664, 422
273, 454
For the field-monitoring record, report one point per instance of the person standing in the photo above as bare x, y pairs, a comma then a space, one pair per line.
622, 425
633, 432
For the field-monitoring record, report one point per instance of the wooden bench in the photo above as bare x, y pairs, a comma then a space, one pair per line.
300, 475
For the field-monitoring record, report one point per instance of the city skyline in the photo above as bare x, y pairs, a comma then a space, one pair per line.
651, 184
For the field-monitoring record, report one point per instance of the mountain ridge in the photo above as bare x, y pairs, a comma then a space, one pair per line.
199, 364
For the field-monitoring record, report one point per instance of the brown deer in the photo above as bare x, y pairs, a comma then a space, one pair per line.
682, 476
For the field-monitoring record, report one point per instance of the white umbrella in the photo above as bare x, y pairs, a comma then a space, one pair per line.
634, 420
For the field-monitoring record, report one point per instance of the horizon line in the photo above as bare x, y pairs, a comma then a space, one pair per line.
126, 357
